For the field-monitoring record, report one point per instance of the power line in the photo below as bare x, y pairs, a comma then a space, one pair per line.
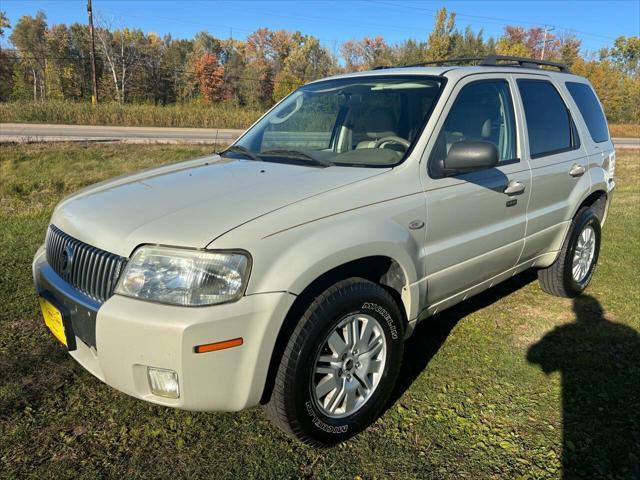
494, 20
206, 26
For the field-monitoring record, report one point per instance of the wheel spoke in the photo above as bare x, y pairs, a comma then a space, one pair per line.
363, 378
337, 344
327, 385
325, 369
373, 349
366, 333
338, 398
576, 271
328, 359
374, 366
350, 394
355, 331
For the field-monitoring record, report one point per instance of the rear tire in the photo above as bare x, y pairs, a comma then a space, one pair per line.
349, 343
572, 271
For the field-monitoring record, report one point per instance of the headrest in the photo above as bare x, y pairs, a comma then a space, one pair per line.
380, 123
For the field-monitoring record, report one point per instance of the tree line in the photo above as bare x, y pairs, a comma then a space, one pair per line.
53, 62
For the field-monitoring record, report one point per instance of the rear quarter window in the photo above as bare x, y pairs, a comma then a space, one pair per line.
590, 110
549, 124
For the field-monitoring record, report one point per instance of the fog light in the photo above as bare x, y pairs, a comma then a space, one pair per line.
163, 382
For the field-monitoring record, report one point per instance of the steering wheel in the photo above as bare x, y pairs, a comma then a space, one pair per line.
392, 139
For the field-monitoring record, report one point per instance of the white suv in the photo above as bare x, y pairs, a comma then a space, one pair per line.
289, 269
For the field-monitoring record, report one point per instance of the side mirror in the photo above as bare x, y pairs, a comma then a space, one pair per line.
467, 156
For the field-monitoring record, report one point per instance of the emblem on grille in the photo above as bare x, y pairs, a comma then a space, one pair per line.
67, 261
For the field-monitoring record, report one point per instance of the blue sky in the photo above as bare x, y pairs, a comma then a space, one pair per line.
597, 23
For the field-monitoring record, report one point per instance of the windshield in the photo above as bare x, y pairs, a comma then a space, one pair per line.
361, 121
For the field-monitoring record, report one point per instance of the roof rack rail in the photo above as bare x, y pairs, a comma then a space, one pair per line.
490, 60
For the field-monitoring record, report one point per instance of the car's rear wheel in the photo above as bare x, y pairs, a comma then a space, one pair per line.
572, 271
340, 364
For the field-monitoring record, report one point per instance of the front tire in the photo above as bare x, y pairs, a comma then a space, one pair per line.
572, 271
340, 364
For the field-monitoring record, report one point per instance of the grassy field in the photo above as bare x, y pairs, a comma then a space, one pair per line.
473, 402
195, 115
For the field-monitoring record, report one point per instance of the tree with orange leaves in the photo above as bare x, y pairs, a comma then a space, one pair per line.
209, 74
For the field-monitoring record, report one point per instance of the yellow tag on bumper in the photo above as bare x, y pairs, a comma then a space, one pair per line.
53, 319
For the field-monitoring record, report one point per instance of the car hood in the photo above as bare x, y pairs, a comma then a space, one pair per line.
191, 203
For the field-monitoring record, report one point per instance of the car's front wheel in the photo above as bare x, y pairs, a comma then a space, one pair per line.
340, 364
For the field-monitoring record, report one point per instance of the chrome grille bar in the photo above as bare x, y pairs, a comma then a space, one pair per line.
92, 271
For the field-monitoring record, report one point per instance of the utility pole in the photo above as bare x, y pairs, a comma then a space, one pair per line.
544, 42
94, 97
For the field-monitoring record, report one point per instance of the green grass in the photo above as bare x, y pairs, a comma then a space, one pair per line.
470, 405
131, 115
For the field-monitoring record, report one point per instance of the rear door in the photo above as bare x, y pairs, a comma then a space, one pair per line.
558, 162
475, 230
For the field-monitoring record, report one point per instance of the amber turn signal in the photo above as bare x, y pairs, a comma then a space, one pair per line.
213, 347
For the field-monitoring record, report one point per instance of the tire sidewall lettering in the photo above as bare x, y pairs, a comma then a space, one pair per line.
325, 427
386, 316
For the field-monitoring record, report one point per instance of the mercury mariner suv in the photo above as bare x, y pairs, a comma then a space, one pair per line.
289, 269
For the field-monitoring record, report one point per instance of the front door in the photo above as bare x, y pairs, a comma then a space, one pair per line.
475, 221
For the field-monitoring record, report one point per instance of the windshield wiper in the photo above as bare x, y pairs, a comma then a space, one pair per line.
243, 150
298, 155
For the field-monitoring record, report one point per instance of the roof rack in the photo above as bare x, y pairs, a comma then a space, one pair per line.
523, 62
491, 60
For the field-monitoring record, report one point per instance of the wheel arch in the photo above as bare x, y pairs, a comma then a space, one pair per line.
380, 269
596, 200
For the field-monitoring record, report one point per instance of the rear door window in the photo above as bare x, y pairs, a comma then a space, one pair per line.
549, 125
590, 110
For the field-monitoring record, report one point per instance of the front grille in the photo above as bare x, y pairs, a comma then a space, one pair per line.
90, 270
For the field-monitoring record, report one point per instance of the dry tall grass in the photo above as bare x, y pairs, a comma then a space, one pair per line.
180, 115
624, 130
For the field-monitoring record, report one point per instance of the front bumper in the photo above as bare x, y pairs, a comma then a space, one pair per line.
131, 335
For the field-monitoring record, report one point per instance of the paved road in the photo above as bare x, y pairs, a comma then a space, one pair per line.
25, 132
626, 142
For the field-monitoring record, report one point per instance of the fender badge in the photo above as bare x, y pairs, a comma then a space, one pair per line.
416, 224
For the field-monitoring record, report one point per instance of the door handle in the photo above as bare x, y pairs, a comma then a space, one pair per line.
577, 170
514, 188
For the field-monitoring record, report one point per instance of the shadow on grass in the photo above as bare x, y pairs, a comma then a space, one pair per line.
599, 364
431, 334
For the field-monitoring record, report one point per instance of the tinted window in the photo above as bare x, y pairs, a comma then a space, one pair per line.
548, 122
590, 109
483, 111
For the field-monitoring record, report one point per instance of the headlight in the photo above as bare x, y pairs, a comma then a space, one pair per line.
184, 277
